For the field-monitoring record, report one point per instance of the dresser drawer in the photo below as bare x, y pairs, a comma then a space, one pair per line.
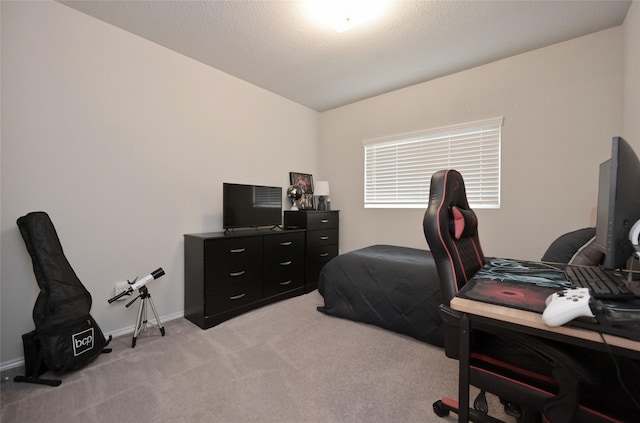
232, 249
234, 272
284, 244
311, 220
232, 296
318, 257
321, 255
283, 264
322, 220
322, 237
284, 281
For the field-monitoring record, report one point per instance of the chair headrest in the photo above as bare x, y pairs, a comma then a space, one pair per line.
447, 189
463, 222
448, 196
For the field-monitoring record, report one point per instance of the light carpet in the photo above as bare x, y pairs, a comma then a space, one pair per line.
285, 362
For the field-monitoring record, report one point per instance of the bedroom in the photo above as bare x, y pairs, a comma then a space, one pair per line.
104, 130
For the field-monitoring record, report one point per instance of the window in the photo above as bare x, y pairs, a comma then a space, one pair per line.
398, 169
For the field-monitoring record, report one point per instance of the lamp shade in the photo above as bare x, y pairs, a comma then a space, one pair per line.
321, 188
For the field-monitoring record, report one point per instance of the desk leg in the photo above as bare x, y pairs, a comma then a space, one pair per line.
463, 372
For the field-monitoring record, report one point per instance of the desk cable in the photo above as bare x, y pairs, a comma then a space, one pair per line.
618, 374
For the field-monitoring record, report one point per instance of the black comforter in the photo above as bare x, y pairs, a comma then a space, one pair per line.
395, 288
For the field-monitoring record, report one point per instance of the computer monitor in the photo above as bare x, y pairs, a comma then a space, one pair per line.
618, 204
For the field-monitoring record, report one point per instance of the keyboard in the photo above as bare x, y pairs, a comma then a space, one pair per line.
603, 284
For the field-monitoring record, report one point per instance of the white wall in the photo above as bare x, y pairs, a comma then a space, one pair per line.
126, 145
631, 91
561, 106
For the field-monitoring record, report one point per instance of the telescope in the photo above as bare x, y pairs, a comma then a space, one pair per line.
140, 285
137, 284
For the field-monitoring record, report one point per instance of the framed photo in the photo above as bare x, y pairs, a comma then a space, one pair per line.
306, 202
305, 180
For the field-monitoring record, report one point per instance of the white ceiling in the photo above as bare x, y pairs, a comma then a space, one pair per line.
274, 44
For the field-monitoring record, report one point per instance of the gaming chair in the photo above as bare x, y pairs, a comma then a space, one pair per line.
534, 378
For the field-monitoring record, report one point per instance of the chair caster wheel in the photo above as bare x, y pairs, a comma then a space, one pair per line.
512, 410
440, 409
480, 403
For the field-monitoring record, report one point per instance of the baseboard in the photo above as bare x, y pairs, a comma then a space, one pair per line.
130, 329
12, 364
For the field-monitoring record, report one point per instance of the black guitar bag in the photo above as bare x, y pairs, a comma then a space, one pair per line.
66, 336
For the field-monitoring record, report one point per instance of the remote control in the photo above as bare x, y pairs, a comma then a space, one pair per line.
566, 305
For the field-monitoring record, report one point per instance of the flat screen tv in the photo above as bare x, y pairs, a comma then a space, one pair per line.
251, 206
618, 204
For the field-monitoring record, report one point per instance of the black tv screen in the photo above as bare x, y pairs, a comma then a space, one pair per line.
251, 206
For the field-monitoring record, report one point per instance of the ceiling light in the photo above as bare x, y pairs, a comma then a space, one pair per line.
345, 14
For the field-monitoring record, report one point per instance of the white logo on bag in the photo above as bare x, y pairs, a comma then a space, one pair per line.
82, 342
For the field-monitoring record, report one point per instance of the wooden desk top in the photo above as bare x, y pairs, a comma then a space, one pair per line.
534, 320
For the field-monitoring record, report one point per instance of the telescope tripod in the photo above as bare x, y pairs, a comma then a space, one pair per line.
141, 322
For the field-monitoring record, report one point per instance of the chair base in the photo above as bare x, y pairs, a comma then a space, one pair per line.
443, 407
479, 414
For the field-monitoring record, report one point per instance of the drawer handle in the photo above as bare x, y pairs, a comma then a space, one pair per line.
324, 238
238, 250
284, 244
324, 254
324, 221
285, 282
240, 273
286, 263
237, 297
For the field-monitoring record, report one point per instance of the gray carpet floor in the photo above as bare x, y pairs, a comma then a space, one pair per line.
285, 362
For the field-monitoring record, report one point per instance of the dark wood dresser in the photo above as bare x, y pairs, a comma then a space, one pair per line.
230, 273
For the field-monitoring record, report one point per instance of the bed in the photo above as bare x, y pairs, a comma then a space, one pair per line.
395, 288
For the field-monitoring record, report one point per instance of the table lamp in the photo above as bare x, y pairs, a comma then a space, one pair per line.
321, 189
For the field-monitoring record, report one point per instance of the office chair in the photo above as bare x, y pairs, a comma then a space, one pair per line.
535, 379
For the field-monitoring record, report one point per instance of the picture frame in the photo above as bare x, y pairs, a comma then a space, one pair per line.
306, 202
305, 180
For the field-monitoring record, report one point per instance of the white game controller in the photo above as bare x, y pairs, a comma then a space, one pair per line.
564, 306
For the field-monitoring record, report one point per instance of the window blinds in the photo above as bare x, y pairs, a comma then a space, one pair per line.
398, 169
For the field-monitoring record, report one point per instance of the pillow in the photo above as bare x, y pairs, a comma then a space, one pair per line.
463, 223
587, 255
576, 247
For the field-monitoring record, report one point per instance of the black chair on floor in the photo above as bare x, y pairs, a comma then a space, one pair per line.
535, 379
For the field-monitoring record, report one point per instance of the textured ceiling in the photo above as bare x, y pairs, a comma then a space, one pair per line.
274, 44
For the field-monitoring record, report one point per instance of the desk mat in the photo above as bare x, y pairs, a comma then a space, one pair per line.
525, 285
520, 284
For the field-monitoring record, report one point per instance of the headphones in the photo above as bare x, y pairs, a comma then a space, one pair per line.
634, 234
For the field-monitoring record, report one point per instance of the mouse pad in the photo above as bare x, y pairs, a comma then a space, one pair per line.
518, 284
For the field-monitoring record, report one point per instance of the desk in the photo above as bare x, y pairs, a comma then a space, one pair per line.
476, 314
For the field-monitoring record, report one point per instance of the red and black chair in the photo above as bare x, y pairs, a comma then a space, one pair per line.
536, 379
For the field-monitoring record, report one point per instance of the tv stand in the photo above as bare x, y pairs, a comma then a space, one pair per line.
229, 273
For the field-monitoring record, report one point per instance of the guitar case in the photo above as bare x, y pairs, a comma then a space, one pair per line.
66, 336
